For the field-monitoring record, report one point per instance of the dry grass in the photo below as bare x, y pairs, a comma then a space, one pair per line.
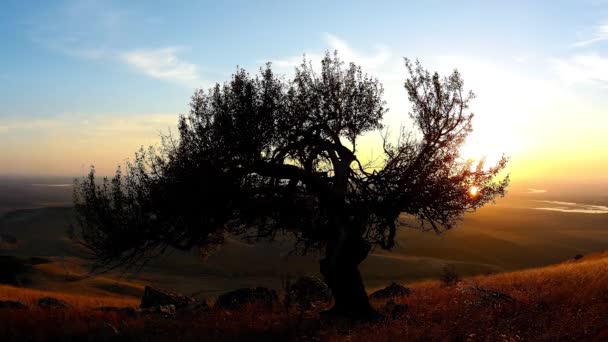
78, 302
568, 301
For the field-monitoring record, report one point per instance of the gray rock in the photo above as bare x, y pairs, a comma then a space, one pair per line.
241, 297
394, 310
166, 311
154, 297
52, 303
308, 291
394, 290
9, 304
193, 309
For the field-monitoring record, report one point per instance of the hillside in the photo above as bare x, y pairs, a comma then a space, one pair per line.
566, 301
499, 238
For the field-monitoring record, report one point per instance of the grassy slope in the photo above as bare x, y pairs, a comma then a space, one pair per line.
564, 301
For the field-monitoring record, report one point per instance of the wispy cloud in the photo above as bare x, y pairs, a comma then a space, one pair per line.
94, 30
571, 207
164, 64
588, 68
72, 140
82, 29
536, 191
600, 33
377, 60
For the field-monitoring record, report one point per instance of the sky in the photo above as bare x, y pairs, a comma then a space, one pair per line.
89, 82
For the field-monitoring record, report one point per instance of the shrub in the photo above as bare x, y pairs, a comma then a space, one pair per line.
449, 276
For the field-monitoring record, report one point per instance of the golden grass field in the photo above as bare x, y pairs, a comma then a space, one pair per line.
566, 301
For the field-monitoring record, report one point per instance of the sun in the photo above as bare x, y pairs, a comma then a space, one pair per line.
474, 191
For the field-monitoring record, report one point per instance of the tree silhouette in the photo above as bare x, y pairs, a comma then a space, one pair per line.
262, 157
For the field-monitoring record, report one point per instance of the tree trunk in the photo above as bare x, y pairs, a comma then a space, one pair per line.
340, 268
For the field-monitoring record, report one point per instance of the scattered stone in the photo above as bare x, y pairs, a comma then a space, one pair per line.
154, 297
9, 304
394, 310
166, 311
126, 311
52, 303
308, 291
238, 298
394, 290
193, 309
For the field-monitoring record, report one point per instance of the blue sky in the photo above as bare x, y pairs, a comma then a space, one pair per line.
87, 72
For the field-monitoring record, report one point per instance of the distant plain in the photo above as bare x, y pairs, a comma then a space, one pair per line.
528, 228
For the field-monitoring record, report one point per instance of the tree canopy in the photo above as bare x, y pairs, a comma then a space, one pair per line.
264, 155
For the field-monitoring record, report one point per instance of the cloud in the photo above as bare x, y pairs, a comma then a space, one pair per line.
61, 145
589, 68
372, 62
577, 208
600, 33
82, 29
536, 191
35, 124
93, 30
164, 64
378, 60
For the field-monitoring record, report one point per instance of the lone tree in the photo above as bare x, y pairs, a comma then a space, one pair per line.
261, 157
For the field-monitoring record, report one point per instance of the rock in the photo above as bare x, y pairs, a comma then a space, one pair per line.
394, 310
392, 291
52, 303
9, 304
126, 311
238, 298
167, 311
154, 297
308, 291
193, 309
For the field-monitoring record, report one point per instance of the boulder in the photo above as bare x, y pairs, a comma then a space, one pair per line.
9, 304
240, 297
394, 310
52, 303
392, 291
154, 297
193, 309
166, 311
308, 291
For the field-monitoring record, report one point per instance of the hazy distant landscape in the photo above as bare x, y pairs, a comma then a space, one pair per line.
516, 233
